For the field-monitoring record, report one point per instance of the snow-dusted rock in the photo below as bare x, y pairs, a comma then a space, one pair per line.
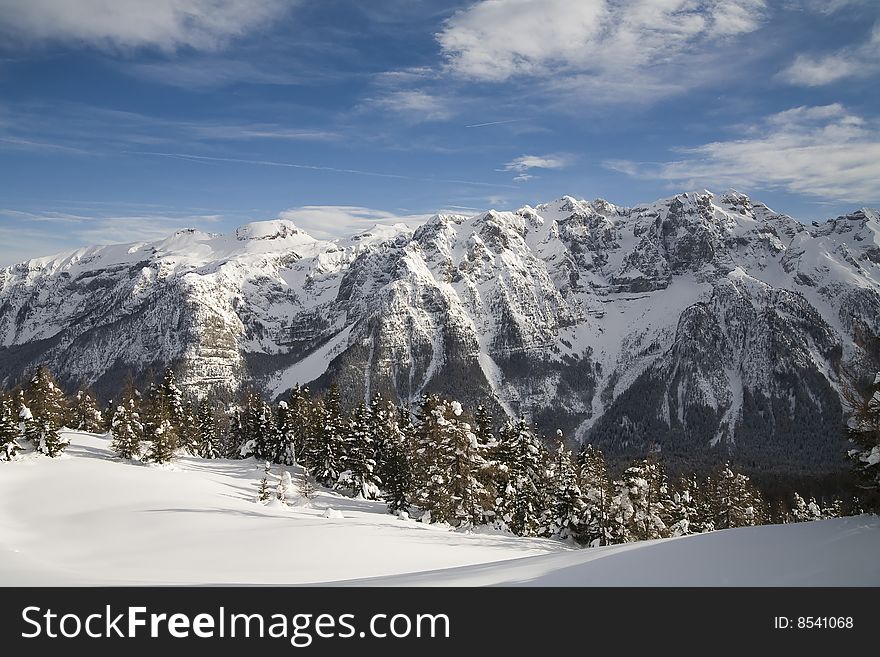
693, 322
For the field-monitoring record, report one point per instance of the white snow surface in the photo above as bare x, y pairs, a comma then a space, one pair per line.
87, 518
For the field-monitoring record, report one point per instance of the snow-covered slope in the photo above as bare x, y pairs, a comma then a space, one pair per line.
698, 322
89, 519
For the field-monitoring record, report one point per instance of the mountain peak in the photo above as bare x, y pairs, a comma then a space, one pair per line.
270, 230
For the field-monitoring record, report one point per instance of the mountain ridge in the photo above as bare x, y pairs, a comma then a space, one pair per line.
695, 324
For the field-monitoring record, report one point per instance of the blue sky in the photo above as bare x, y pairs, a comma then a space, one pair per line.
123, 120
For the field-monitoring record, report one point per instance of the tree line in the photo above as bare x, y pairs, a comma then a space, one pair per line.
440, 463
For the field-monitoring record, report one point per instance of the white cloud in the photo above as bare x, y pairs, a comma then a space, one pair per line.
815, 71
417, 105
332, 221
522, 164
824, 6
25, 234
164, 24
611, 46
207, 72
822, 151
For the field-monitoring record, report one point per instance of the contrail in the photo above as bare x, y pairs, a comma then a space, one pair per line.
314, 167
481, 125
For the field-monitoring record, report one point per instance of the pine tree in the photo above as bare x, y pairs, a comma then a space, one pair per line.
283, 448
597, 524
325, 458
24, 415
181, 427
863, 432
395, 437
252, 427
450, 469
241, 444
803, 511
683, 508
158, 427
300, 423
567, 504
264, 495
208, 442
47, 406
264, 431
642, 491
188, 432
127, 431
483, 428
85, 415
358, 459
107, 416
307, 487
733, 500
9, 430
520, 477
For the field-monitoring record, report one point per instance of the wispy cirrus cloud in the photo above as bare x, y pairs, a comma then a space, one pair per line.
314, 167
818, 151
332, 221
858, 61
29, 234
524, 163
78, 129
207, 73
414, 104
167, 25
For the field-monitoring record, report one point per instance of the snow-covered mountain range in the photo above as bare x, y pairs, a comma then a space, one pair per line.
700, 323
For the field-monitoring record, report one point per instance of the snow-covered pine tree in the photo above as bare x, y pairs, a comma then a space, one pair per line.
519, 466
376, 411
47, 405
358, 458
325, 457
283, 447
395, 438
644, 487
189, 429
597, 524
834, 510
238, 433
307, 486
863, 430
24, 415
683, 515
249, 427
798, 508
805, 511
567, 504
449, 469
733, 500
208, 442
301, 421
263, 494
158, 427
107, 416
484, 428
84, 413
127, 431
9, 430
182, 427
265, 432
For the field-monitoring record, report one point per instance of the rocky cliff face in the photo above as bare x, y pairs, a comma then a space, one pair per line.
701, 325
